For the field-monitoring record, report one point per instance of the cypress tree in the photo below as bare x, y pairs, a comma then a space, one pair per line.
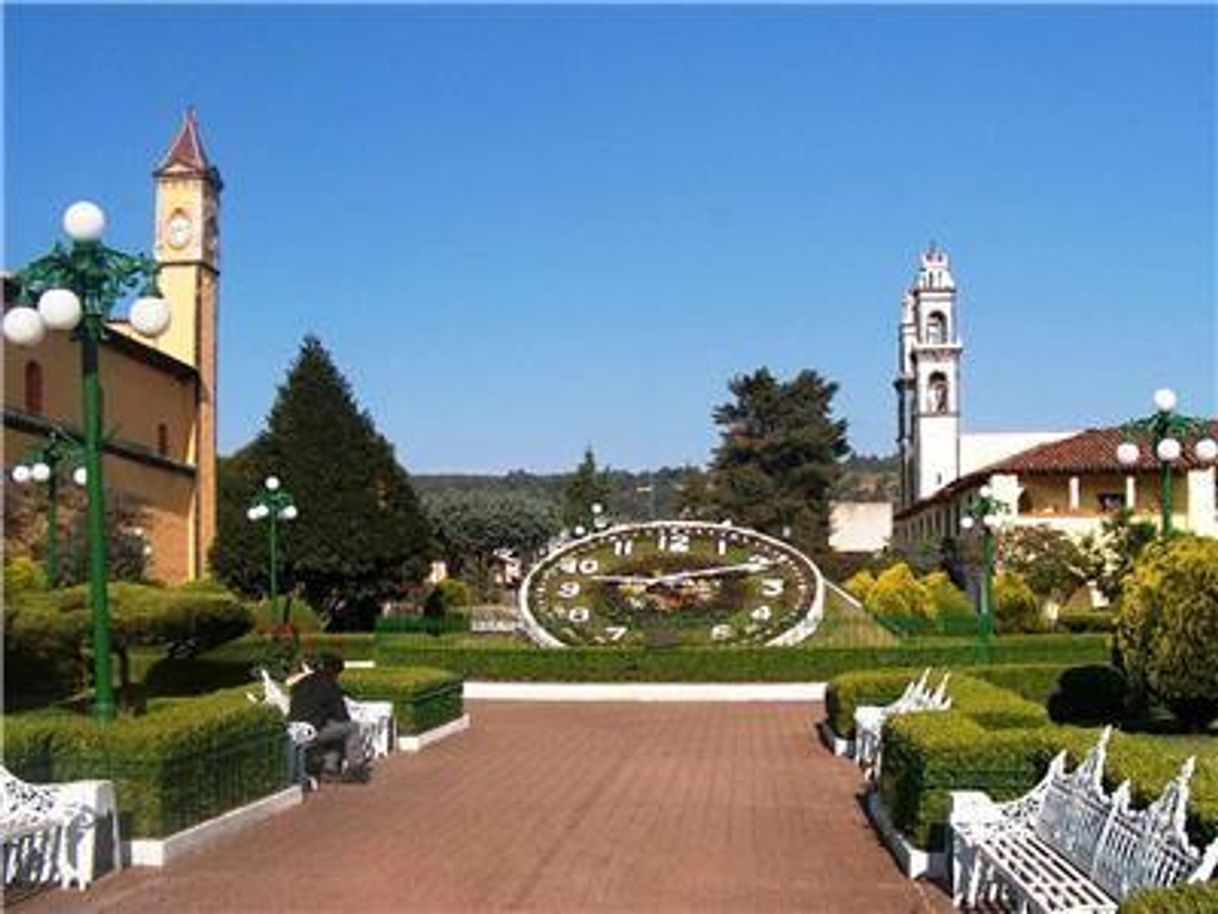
361, 535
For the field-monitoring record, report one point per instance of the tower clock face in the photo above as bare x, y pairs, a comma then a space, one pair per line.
672, 582
179, 230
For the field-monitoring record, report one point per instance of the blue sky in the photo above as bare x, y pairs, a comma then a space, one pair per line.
524, 230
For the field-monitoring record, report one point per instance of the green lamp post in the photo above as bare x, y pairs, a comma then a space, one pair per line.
1163, 431
76, 288
276, 504
983, 511
42, 465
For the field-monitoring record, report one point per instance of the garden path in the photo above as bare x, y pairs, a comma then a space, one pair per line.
560, 808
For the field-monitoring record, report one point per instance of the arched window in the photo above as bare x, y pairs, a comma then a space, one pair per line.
937, 393
33, 388
936, 327
162, 439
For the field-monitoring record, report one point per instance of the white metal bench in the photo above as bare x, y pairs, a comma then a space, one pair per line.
376, 721
869, 719
49, 831
1069, 845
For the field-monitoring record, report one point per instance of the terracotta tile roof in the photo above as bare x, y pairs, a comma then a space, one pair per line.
1090, 451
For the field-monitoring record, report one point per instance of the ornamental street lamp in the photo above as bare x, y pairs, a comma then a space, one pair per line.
984, 511
1163, 430
596, 524
75, 289
42, 465
275, 503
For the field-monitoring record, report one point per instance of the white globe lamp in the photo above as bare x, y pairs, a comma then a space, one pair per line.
21, 474
990, 520
580, 531
24, 327
40, 472
1168, 450
272, 483
966, 523
985, 491
80, 476
288, 513
1127, 453
59, 309
150, 316
1206, 450
1165, 399
84, 221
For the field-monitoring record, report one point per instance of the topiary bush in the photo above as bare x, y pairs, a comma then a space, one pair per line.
946, 597
1167, 627
897, 592
859, 585
1090, 694
1016, 606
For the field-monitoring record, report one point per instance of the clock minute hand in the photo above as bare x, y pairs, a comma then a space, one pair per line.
712, 572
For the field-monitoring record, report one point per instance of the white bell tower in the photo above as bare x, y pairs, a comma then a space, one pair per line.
928, 381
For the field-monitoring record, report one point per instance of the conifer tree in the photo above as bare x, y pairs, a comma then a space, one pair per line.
587, 486
361, 535
778, 457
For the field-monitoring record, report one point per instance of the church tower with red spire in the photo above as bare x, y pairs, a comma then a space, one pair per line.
187, 246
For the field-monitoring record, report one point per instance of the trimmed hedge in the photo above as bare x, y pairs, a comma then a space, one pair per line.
728, 664
1086, 620
1180, 899
185, 761
928, 755
423, 699
980, 701
1033, 681
232, 664
422, 625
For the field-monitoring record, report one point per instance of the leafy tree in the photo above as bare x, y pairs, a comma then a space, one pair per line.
471, 527
1111, 555
779, 456
1167, 627
1052, 562
1016, 606
898, 592
361, 536
587, 486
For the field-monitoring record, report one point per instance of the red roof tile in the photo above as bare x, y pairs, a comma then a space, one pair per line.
187, 148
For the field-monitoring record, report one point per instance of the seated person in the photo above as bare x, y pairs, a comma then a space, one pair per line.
317, 699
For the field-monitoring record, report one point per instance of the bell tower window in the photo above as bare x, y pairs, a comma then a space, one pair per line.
936, 328
937, 393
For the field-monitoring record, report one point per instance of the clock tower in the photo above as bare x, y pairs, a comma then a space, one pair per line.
187, 246
928, 381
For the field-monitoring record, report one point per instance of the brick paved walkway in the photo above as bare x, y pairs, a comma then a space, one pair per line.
559, 808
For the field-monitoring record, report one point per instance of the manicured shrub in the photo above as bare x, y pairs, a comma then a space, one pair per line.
183, 762
692, 664
1179, 899
859, 585
898, 593
1016, 606
1033, 681
946, 597
987, 704
422, 625
1167, 628
456, 593
22, 573
423, 698
1085, 620
1089, 694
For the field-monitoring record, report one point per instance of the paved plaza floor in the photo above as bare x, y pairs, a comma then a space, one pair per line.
559, 808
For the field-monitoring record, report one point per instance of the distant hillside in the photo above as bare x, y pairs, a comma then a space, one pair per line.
640, 496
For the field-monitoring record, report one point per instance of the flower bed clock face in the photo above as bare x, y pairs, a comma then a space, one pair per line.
672, 582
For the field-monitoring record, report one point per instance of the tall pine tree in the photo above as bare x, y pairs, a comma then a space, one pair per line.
586, 487
361, 535
778, 457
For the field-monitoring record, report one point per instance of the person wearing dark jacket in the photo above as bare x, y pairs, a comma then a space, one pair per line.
318, 700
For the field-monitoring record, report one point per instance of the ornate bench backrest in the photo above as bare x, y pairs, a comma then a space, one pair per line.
1076, 809
273, 693
19, 800
1149, 847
